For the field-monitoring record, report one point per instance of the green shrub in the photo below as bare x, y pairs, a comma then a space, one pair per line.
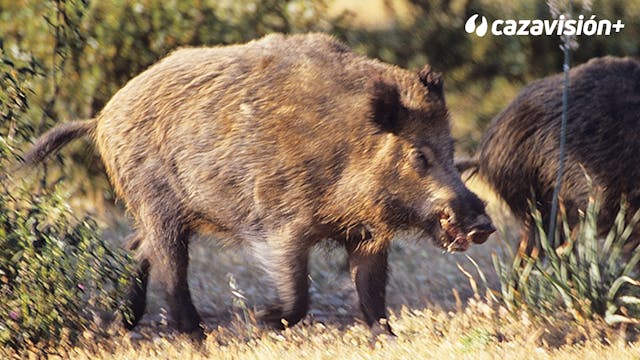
55, 271
588, 275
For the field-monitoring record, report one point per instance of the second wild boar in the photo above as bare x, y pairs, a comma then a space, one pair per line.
520, 152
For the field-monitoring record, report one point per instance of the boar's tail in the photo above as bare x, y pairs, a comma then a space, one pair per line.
466, 164
56, 138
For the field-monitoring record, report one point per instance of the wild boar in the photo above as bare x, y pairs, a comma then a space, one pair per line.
278, 144
520, 153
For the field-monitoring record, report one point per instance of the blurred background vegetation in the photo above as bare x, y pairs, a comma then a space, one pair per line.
62, 60
83, 51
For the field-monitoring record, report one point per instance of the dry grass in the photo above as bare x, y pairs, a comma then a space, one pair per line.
479, 332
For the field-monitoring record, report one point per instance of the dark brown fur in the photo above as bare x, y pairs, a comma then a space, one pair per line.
278, 144
520, 152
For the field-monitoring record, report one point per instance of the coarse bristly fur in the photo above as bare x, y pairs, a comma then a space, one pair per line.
520, 152
278, 144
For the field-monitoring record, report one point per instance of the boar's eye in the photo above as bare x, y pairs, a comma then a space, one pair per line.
420, 161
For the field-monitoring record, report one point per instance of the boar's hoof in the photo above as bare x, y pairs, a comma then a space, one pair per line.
187, 321
273, 317
194, 331
382, 327
192, 328
276, 318
197, 335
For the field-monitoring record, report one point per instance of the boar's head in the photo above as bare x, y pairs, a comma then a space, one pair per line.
409, 180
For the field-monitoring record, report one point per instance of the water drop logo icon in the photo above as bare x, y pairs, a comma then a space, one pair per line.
470, 26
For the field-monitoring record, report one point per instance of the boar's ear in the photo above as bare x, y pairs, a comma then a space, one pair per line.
385, 103
432, 81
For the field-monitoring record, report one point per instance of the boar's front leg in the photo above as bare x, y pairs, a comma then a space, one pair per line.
369, 273
285, 258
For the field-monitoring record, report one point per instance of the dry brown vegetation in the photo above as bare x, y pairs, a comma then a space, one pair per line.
476, 333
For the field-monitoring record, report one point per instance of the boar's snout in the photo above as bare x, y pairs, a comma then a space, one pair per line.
464, 221
481, 230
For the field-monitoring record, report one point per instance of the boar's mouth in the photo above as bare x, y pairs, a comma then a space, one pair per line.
453, 238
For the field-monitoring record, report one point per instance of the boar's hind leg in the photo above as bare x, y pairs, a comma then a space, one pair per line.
137, 291
173, 263
167, 242
369, 273
286, 262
